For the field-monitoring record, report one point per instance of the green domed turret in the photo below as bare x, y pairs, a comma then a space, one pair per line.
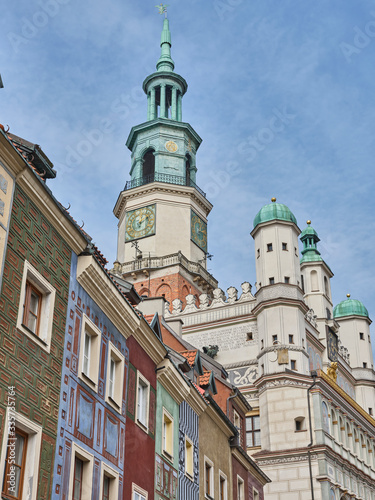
274, 211
310, 238
350, 307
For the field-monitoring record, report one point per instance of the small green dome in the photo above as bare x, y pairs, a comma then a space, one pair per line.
350, 307
274, 211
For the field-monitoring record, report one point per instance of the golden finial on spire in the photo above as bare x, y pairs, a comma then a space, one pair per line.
308, 222
273, 199
348, 295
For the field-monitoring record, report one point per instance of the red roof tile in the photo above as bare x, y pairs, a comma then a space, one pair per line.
190, 356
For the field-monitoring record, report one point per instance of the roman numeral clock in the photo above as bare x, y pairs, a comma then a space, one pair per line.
140, 223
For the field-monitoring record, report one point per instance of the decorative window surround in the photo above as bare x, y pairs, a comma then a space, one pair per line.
34, 440
31, 277
142, 404
87, 473
90, 353
115, 377
113, 476
167, 439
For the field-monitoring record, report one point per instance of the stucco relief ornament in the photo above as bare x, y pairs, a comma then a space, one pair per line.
190, 303
167, 312
311, 318
177, 306
246, 291
204, 301
219, 298
232, 294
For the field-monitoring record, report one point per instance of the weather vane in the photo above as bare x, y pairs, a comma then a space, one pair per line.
162, 8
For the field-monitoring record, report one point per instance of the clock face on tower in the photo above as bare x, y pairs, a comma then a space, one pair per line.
198, 231
140, 223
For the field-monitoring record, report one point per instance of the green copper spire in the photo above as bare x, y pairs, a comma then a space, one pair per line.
310, 238
165, 62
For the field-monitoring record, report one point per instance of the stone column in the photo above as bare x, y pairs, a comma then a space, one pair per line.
174, 103
148, 106
179, 108
163, 90
152, 105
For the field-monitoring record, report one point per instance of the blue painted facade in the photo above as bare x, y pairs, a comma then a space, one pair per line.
85, 418
188, 426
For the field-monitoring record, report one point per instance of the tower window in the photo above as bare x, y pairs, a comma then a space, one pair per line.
258, 253
187, 170
262, 344
293, 364
272, 281
274, 339
148, 173
361, 336
370, 411
291, 339
295, 251
328, 313
364, 365
269, 247
286, 279
299, 424
249, 336
284, 246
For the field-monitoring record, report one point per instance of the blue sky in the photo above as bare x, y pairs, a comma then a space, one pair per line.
73, 71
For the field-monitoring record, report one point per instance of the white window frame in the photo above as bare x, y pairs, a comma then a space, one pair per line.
240, 488
89, 328
48, 292
88, 469
223, 476
255, 494
211, 493
237, 418
114, 481
146, 384
167, 435
143, 494
34, 441
115, 399
189, 461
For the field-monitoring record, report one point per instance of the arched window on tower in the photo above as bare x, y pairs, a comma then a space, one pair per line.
314, 281
148, 171
326, 286
187, 170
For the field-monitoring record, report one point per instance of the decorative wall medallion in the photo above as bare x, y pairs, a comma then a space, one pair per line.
171, 146
140, 223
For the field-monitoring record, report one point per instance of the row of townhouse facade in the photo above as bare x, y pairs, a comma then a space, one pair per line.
97, 399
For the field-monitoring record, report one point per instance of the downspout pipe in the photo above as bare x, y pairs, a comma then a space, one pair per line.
314, 374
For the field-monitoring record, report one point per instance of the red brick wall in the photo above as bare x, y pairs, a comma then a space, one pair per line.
173, 286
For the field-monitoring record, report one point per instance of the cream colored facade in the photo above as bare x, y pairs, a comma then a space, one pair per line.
269, 343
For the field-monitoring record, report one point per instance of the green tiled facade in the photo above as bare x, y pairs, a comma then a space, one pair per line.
35, 373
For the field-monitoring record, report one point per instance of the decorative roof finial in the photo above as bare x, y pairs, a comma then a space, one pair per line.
308, 222
348, 295
162, 8
273, 199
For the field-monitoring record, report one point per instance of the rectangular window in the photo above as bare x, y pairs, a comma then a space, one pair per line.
15, 464
109, 482
293, 364
36, 306
223, 491
291, 339
90, 352
167, 435
240, 488
255, 494
189, 458
272, 281
252, 431
284, 246
237, 420
20, 456
286, 279
115, 377
258, 253
269, 247
209, 478
364, 365
78, 478
370, 411
81, 474
361, 336
274, 339
143, 390
138, 493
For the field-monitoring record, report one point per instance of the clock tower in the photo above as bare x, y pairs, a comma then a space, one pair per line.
162, 213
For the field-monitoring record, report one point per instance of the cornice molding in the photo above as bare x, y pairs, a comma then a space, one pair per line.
101, 289
221, 424
160, 187
172, 381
